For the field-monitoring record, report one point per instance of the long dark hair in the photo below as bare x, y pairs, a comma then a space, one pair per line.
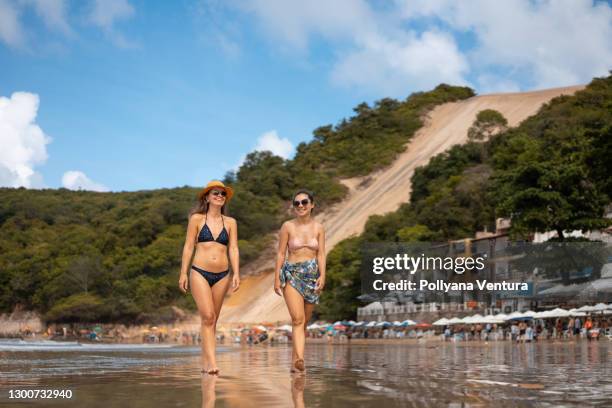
202, 207
309, 193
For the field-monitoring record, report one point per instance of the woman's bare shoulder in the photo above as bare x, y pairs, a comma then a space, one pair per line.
287, 225
196, 217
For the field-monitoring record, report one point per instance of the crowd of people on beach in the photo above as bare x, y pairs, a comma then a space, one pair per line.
525, 331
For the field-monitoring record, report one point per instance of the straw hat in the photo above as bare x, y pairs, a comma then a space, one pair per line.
217, 184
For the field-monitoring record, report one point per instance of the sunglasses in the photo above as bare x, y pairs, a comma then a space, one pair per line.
218, 193
304, 202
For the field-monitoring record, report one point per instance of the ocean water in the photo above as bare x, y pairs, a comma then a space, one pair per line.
547, 374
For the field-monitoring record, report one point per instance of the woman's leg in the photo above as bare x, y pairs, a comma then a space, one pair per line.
308, 308
203, 296
295, 304
218, 294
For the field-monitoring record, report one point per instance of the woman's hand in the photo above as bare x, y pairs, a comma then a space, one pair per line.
320, 284
183, 282
277, 287
235, 282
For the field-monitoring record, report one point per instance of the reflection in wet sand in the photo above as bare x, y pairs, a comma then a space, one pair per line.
372, 375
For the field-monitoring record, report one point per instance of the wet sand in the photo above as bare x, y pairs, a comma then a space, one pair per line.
355, 375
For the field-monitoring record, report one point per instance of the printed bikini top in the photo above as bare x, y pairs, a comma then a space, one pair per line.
206, 235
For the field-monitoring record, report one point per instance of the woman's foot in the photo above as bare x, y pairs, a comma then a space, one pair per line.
299, 365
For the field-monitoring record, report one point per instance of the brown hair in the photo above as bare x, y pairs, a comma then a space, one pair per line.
202, 207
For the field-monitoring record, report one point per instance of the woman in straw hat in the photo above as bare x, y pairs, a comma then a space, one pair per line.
214, 236
300, 270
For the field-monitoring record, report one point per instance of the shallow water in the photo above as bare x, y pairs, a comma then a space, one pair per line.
373, 375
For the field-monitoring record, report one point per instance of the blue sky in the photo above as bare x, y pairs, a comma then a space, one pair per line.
128, 95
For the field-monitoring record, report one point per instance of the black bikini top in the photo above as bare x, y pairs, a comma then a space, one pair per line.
205, 234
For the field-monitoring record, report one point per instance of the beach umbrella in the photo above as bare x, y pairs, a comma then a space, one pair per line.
423, 326
360, 323
514, 315
351, 323
313, 326
491, 319
371, 324
397, 323
455, 320
338, 322
441, 322
576, 312
600, 307
381, 324
408, 322
286, 327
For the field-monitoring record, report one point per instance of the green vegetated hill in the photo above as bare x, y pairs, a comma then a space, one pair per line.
552, 172
87, 256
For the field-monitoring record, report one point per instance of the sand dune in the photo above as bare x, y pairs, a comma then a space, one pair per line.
381, 192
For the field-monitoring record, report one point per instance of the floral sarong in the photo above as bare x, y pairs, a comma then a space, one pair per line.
303, 277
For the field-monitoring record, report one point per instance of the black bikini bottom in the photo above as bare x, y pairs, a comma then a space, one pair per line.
211, 277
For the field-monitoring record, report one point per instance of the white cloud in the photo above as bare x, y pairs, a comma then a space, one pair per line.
11, 32
272, 142
553, 43
77, 180
373, 50
106, 13
53, 13
23, 141
393, 66
415, 43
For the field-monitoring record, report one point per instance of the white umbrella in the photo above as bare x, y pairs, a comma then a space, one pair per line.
397, 323
371, 324
408, 322
576, 312
286, 327
313, 326
492, 319
600, 307
441, 322
455, 320
514, 315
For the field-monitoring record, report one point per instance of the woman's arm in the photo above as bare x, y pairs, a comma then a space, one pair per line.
234, 254
321, 258
190, 239
283, 237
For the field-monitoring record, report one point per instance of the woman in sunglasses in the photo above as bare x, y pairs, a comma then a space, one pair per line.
301, 264
213, 235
